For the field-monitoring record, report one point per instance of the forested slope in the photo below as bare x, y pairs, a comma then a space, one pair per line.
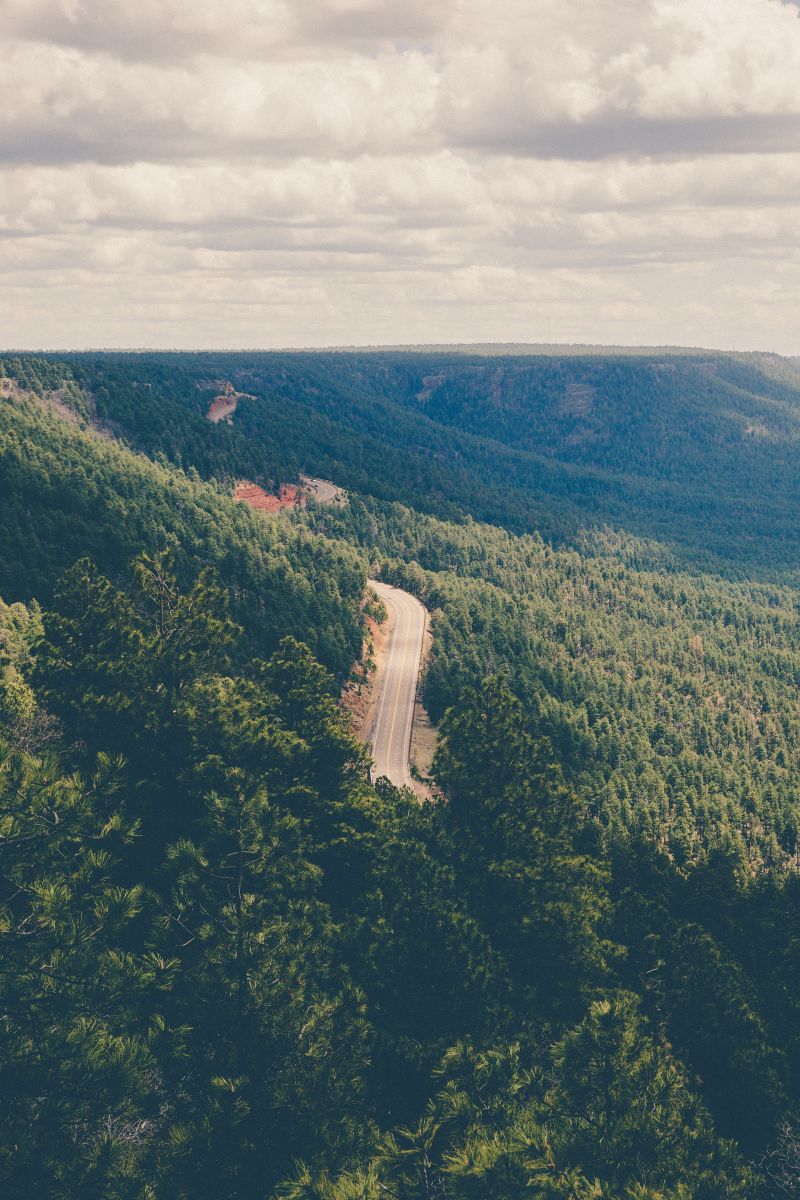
697, 450
670, 699
68, 493
231, 967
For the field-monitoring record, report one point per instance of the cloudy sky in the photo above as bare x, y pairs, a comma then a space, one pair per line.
248, 173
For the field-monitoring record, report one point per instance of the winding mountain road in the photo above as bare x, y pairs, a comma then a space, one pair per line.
323, 490
396, 685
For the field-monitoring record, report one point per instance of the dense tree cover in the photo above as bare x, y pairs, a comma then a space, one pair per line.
671, 699
68, 492
230, 967
20, 628
694, 449
168, 959
605, 1114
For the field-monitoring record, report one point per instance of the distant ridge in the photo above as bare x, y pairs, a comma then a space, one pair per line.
522, 349
477, 349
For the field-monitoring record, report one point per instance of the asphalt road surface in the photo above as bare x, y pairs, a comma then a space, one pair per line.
396, 685
324, 491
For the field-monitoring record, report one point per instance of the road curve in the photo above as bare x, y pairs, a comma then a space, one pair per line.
323, 491
396, 685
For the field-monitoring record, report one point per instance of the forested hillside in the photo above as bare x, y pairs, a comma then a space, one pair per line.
697, 450
231, 966
68, 493
670, 699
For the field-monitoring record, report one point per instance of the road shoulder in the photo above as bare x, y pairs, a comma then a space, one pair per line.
424, 734
361, 697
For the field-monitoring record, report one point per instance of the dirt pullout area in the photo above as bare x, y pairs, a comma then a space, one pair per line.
359, 697
223, 406
289, 496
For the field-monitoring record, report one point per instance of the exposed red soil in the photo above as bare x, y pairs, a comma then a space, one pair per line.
358, 693
220, 408
289, 496
223, 406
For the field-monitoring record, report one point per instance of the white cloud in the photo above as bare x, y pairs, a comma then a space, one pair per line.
266, 171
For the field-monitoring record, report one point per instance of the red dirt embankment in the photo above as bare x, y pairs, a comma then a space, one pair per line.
223, 406
289, 496
358, 693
